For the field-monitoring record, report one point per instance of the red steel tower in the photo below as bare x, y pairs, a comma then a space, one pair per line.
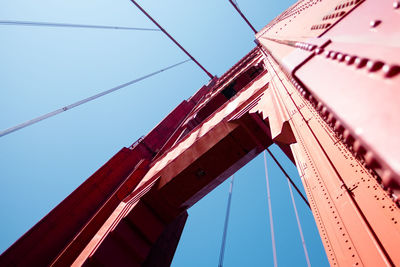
321, 84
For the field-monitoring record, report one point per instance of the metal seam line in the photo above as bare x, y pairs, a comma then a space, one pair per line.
68, 25
299, 226
171, 38
289, 179
271, 222
228, 208
78, 103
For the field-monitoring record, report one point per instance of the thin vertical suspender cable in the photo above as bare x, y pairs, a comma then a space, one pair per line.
83, 101
290, 182
171, 38
228, 208
271, 222
69, 25
299, 226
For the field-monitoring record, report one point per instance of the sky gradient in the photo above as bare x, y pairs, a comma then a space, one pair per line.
44, 69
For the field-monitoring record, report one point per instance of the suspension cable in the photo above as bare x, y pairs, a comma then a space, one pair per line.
83, 101
271, 221
303, 242
68, 25
289, 179
171, 38
228, 208
235, 5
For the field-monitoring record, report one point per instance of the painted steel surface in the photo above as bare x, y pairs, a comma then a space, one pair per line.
321, 84
337, 73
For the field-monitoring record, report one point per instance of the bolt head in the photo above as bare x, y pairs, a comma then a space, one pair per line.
349, 59
340, 57
374, 23
373, 66
360, 62
391, 70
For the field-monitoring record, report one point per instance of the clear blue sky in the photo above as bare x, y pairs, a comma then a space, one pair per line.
43, 69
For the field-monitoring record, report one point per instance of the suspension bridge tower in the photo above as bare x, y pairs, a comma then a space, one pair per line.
321, 83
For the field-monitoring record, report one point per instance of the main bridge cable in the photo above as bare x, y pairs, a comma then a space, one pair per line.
172, 39
235, 5
289, 179
68, 25
83, 101
228, 208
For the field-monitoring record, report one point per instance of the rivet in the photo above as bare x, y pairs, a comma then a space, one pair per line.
340, 57
349, 59
396, 4
360, 62
327, 53
374, 65
334, 55
311, 47
338, 127
359, 148
370, 160
331, 119
391, 70
319, 50
387, 178
348, 138
374, 23
324, 111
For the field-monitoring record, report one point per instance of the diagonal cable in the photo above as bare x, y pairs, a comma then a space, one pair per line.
236, 6
171, 38
68, 25
83, 101
289, 179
